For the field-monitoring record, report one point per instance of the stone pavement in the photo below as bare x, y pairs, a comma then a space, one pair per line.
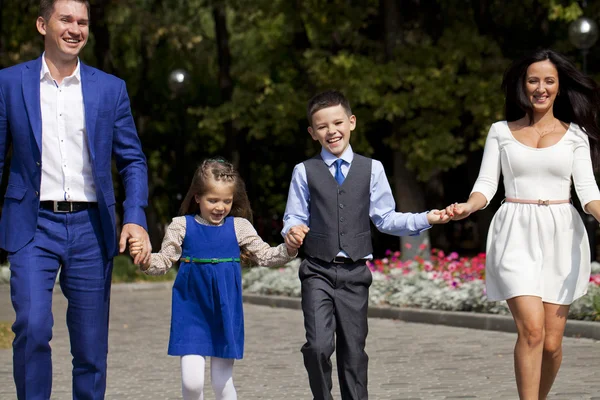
408, 360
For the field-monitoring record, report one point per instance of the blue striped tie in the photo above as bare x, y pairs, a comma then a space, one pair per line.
339, 177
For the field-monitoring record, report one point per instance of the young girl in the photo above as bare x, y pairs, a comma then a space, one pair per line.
210, 239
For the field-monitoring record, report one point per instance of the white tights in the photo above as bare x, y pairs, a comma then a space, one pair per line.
221, 377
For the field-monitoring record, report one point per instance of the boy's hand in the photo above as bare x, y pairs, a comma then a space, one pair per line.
435, 217
136, 246
295, 237
458, 211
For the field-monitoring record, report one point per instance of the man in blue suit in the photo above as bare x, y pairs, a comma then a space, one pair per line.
65, 121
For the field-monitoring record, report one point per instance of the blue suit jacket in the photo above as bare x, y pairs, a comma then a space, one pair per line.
110, 132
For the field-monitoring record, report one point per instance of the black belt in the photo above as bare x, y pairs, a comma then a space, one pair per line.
338, 260
67, 206
343, 260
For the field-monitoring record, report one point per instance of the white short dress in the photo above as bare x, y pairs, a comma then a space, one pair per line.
537, 250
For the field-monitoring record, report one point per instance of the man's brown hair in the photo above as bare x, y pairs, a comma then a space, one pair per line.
47, 7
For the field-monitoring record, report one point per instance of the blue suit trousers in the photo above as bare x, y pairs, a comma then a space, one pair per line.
70, 244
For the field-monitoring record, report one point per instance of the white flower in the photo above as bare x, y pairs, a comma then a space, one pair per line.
417, 289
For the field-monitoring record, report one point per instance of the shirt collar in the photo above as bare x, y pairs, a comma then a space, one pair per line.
203, 221
347, 156
45, 71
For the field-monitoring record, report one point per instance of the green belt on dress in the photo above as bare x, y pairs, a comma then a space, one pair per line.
208, 260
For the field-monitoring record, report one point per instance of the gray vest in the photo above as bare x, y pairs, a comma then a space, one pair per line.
339, 215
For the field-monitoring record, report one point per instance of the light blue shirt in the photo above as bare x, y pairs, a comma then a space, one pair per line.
382, 207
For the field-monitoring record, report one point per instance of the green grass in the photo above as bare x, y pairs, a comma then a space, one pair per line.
125, 271
6, 335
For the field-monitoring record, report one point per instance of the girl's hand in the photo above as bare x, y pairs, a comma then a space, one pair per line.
458, 211
136, 246
435, 217
295, 237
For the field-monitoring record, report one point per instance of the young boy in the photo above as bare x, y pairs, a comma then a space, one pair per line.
336, 193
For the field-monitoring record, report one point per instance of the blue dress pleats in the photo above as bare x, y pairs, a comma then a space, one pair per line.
207, 315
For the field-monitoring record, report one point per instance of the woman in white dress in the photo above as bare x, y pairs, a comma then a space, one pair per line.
538, 256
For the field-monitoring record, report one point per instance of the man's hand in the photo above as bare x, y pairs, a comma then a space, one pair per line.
133, 231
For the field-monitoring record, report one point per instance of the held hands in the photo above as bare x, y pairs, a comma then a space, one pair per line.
458, 211
295, 237
435, 217
137, 247
454, 212
133, 231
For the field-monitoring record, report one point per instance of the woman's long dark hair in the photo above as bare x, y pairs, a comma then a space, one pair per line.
577, 100
218, 170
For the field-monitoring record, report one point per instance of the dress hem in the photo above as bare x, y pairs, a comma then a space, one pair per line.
544, 300
181, 353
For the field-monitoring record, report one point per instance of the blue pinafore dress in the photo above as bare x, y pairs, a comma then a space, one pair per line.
207, 316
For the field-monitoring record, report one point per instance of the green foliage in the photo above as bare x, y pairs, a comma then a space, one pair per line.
125, 271
567, 13
596, 307
6, 335
426, 86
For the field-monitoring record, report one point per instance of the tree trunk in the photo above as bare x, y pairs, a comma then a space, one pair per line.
101, 35
410, 198
409, 193
140, 102
225, 81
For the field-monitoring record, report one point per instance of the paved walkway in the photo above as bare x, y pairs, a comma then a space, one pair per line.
408, 361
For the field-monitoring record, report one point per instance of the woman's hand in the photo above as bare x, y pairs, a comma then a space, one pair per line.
458, 211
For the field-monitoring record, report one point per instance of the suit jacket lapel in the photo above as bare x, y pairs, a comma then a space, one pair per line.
89, 86
31, 94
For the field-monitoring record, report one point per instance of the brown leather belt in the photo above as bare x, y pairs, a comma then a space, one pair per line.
67, 206
539, 202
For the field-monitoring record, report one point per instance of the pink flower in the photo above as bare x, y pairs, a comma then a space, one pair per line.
453, 269
408, 245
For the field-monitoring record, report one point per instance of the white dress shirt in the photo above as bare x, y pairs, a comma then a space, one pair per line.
66, 167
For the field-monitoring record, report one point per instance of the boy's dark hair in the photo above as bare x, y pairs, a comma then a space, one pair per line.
330, 98
219, 170
47, 7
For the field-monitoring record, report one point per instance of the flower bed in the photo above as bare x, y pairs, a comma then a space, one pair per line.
443, 282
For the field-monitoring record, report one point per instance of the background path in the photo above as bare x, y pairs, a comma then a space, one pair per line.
408, 360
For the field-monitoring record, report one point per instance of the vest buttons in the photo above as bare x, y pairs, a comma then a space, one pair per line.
342, 219
342, 234
38, 163
341, 206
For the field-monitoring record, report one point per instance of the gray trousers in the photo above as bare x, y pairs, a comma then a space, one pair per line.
334, 302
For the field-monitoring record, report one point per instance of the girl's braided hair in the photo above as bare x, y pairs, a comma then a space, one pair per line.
219, 170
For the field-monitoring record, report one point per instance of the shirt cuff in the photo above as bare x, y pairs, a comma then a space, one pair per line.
421, 223
135, 215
